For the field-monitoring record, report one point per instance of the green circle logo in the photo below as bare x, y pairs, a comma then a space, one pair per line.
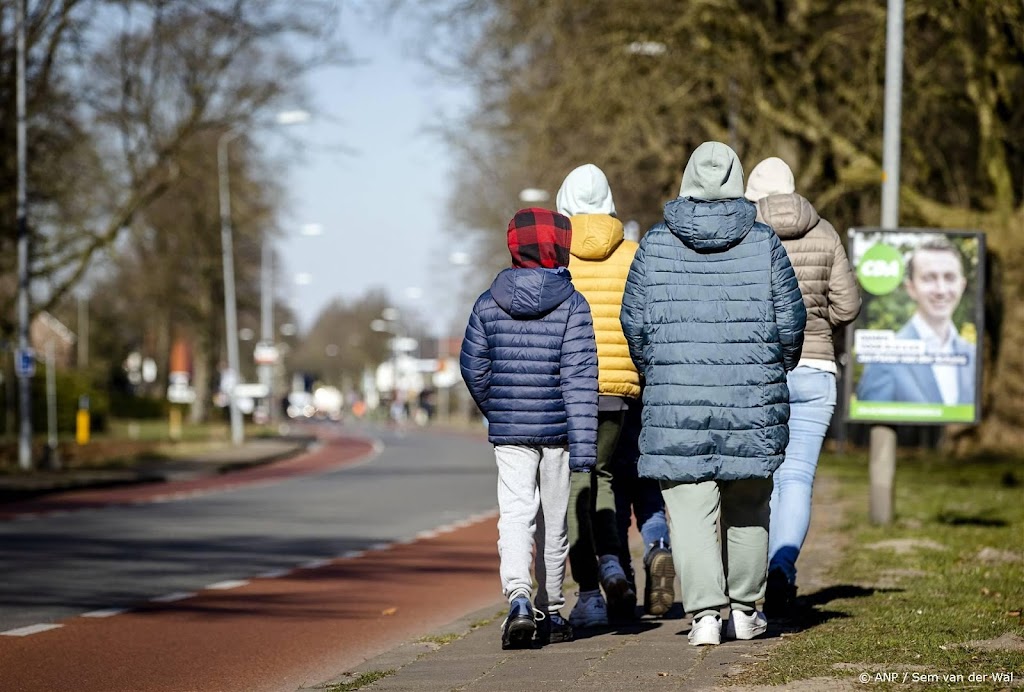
880, 270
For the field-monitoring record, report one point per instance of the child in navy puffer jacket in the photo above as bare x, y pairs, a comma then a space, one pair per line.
529, 359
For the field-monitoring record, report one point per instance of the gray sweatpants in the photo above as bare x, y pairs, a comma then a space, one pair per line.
533, 495
713, 575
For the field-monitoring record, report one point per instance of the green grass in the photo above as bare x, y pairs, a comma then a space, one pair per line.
908, 611
440, 639
363, 680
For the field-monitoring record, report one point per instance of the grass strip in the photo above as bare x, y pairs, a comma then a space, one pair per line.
364, 679
935, 599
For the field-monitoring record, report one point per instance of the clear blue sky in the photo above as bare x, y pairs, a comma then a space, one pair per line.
382, 205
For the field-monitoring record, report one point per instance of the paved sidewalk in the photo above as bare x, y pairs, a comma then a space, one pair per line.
653, 654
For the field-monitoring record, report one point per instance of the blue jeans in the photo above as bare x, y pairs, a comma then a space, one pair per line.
634, 495
812, 400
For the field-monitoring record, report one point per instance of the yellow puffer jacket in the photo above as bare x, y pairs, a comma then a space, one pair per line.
599, 262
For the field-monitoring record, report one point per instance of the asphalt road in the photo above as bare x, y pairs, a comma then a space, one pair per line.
56, 567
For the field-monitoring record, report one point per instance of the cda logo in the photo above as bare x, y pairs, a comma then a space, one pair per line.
880, 269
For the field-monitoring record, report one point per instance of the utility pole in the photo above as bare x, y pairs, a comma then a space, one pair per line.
24, 374
83, 332
266, 370
882, 460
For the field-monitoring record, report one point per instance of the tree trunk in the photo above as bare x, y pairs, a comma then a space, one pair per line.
1003, 416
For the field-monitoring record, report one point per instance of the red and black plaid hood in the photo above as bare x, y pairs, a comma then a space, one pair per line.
539, 238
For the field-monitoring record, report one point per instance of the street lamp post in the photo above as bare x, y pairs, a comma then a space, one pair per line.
228, 261
24, 373
292, 117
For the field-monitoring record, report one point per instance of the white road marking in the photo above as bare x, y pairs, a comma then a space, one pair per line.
315, 564
31, 629
227, 584
105, 613
172, 597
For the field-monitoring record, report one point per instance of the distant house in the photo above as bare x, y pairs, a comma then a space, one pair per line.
46, 328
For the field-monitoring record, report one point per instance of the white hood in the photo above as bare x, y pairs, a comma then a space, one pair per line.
585, 191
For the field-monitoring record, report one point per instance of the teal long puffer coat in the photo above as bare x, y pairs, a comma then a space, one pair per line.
714, 319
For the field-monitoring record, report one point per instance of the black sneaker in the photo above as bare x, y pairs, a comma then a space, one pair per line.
780, 595
553, 629
518, 628
659, 592
623, 609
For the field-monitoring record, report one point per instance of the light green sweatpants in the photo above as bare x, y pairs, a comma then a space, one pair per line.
713, 575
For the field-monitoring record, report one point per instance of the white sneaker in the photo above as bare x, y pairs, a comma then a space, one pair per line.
590, 610
746, 625
707, 630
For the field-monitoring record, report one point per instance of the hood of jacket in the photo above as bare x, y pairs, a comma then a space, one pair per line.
530, 293
595, 236
710, 226
792, 216
585, 191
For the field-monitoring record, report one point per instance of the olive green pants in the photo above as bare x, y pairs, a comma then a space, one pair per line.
713, 575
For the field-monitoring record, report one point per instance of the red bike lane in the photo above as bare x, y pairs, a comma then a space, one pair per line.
336, 451
279, 633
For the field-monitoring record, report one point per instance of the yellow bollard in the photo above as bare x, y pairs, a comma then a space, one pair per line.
175, 423
82, 421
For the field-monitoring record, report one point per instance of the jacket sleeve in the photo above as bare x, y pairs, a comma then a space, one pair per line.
578, 370
475, 360
876, 383
632, 313
843, 292
790, 313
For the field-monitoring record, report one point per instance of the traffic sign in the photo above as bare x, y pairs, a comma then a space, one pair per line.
24, 362
180, 393
266, 353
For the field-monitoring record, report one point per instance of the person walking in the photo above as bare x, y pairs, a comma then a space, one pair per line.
714, 319
830, 294
599, 262
529, 360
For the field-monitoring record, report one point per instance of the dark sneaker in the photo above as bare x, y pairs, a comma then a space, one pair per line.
553, 629
659, 594
779, 595
518, 628
623, 609
621, 598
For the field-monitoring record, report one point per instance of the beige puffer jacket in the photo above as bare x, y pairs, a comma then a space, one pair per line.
827, 281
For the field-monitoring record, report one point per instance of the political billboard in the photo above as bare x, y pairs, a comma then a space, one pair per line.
915, 356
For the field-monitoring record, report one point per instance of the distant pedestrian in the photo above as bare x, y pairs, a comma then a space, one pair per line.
832, 299
599, 264
714, 319
529, 360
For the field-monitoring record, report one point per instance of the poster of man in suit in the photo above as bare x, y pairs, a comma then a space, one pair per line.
915, 345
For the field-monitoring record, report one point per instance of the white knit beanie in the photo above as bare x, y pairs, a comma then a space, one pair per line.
770, 177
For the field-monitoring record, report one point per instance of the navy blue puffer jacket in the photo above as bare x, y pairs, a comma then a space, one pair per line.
530, 361
714, 319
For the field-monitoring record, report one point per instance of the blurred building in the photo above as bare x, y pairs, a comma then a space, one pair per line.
45, 329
